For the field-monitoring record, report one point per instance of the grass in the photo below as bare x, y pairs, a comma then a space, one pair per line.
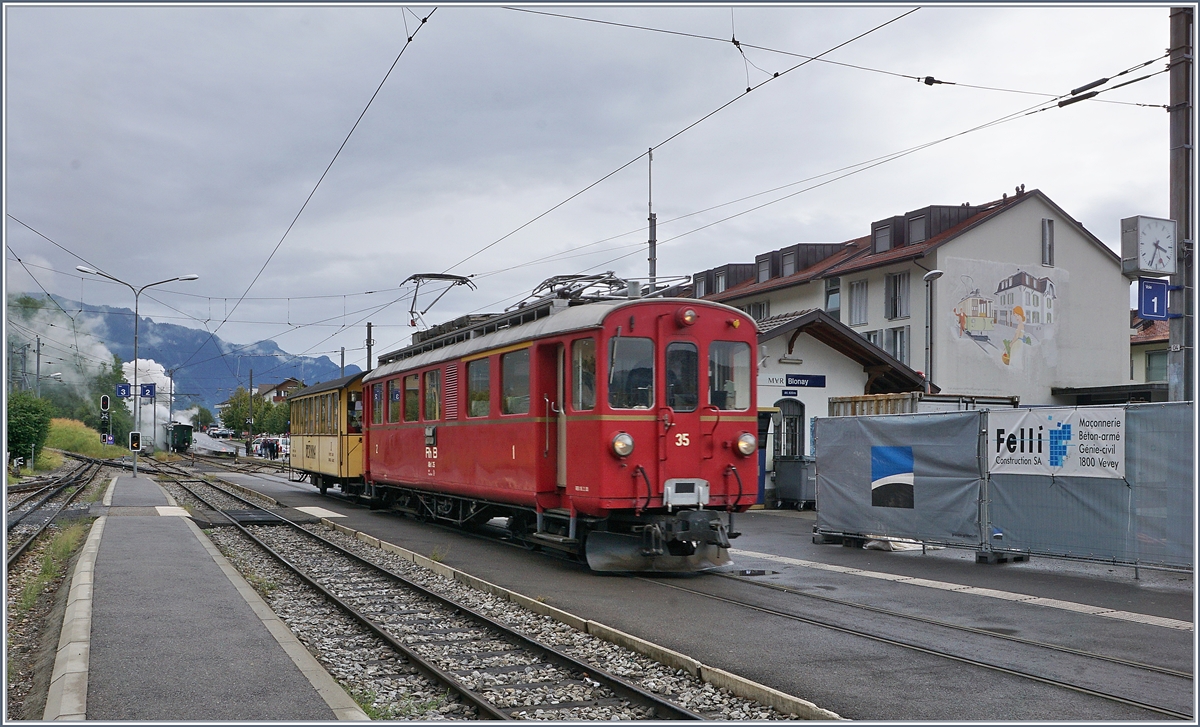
403, 709
75, 436
54, 562
439, 553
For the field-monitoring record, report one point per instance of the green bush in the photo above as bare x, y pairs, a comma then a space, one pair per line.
28, 424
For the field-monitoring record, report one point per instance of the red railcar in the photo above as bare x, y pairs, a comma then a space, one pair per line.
621, 430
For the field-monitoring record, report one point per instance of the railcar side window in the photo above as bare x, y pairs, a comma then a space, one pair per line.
377, 403
514, 381
630, 373
354, 412
412, 398
683, 376
583, 374
729, 375
433, 394
479, 392
395, 397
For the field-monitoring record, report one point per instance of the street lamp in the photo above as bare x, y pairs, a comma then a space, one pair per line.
930, 276
137, 292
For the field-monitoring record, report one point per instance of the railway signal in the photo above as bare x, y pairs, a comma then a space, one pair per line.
104, 402
135, 441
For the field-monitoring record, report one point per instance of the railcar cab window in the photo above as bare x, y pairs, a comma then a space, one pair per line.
479, 390
630, 373
354, 412
583, 374
395, 400
411, 398
729, 375
433, 394
683, 376
377, 404
514, 380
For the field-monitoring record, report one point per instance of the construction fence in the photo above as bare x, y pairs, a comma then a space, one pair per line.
1105, 483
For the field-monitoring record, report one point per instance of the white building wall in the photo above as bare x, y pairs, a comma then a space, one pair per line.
843, 377
1087, 344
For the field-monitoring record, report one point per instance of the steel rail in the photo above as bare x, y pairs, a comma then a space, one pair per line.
968, 629
83, 483
932, 652
57, 487
664, 709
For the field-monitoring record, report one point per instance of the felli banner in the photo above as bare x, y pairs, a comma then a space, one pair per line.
1064, 442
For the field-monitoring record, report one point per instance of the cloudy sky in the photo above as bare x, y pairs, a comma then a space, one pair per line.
509, 144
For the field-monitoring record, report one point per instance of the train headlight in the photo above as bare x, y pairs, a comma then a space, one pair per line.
747, 443
622, 444
686, 317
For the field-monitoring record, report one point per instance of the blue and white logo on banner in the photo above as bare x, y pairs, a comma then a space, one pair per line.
892, 477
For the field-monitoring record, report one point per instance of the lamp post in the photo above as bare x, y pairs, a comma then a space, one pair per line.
137, 292
929, 277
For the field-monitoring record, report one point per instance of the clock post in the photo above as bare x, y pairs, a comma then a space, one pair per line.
1181, 358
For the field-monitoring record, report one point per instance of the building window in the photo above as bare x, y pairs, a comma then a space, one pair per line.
916, 230
700, 287
895, 342
1156, 366
896, 302
789, 263
479, 391
719, 282
433, 394
1047, 242
858, 303
758, 311
883, 239
514, 380
875, 338
764, 270
833, 298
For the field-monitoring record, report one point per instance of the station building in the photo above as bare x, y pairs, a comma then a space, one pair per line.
1027, 304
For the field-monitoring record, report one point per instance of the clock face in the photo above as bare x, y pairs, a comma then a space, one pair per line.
1156, 245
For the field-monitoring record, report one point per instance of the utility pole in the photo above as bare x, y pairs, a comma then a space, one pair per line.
370, 342
1181, 358
653, 220
251, 392
343, 373
37, 374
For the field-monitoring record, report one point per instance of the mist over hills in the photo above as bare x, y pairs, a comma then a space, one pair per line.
207, 369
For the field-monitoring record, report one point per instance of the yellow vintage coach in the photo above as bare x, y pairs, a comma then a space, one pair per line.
327, 438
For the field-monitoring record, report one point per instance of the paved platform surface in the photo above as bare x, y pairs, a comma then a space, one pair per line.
159, 626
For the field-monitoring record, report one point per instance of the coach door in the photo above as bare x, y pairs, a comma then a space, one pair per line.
682, 444
552, 363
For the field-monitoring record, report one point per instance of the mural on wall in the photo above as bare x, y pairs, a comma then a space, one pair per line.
1008, 313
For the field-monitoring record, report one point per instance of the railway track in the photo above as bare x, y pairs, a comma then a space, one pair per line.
496, 671
1106, 677
28, 519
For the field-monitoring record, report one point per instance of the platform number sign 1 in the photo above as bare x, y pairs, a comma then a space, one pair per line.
1152, 299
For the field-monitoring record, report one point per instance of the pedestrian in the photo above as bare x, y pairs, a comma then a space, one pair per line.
247, 447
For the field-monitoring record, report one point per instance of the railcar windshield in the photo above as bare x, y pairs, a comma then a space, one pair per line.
683, 376
729, 374
631, 373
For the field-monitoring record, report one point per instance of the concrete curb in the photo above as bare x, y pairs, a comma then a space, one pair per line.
67, 696
739, 686
342, 704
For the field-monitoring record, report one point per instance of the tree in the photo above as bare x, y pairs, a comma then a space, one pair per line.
236, 416
276, 420
203, 418
28, 424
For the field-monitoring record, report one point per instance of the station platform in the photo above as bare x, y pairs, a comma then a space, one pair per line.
159, 626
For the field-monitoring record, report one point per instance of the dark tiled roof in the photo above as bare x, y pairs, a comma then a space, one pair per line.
1148, 331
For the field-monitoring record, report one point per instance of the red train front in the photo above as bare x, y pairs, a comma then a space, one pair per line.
622, 430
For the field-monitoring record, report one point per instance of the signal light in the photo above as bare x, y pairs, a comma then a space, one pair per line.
135, 441
686, 317
104, 402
